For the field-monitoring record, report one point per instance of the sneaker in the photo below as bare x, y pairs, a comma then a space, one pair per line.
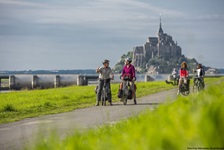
97, 103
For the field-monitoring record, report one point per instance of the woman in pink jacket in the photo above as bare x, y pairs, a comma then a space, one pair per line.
129, 71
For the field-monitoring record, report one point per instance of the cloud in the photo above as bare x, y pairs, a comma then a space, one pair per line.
87, 12
209, 17
20, 3
59, 28
129, 14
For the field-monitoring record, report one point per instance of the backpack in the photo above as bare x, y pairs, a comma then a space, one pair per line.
202, 72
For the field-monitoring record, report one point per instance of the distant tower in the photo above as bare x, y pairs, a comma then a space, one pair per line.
160, 36
160, 31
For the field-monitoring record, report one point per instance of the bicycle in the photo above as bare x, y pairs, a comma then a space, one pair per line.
185, 88
198, 85
174, 82
105, 93
127, 92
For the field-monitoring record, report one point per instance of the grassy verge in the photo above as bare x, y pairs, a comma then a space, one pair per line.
193, 122
19, 105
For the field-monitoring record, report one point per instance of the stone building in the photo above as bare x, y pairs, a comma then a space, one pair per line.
162, 46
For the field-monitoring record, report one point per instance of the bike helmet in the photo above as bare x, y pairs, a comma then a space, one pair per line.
105, 61
129, 60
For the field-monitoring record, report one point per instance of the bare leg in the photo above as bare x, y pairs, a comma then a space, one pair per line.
180, 81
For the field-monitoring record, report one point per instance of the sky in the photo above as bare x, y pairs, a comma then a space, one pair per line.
80, 34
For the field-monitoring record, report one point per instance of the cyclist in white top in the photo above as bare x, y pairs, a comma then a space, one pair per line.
200, 74
105, 74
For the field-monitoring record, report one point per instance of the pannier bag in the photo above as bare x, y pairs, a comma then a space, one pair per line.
120, 93
130, 94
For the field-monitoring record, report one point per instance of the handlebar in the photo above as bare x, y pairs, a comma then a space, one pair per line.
128, 79
106, 80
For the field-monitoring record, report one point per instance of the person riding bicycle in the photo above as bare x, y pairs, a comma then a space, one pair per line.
175, 75
183, 75
129, 71
105, 72
200, 74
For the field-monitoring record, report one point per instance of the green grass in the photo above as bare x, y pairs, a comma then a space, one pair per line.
195, 121
23, 104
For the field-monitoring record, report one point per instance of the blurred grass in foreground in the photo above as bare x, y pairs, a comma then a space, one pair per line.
193, 121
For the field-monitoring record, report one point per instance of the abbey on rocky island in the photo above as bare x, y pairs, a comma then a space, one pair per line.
161, 46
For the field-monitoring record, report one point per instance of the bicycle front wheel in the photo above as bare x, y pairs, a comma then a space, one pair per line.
104, 98
195, 89
125, 95
200, 86
185, 93
125, 101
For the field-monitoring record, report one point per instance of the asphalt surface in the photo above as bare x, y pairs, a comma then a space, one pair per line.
14, 136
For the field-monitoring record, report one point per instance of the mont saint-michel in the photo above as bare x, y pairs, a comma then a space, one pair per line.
160, 54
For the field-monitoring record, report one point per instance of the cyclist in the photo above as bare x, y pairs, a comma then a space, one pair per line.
175, 75
129, 70
105, 72
183, 75
200, 74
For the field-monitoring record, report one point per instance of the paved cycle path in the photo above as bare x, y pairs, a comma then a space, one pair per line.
14, 136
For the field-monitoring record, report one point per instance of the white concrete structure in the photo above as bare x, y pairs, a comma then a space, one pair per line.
41, 81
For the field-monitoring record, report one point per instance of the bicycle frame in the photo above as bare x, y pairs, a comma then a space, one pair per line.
126, 86
185, 88
124, 97
104, 92
198, 86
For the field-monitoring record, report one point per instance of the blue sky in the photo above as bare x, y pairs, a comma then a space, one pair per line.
79, 34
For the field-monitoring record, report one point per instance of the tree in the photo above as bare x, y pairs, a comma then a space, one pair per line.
119, 66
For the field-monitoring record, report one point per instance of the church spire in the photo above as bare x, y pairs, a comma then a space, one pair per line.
160, 26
